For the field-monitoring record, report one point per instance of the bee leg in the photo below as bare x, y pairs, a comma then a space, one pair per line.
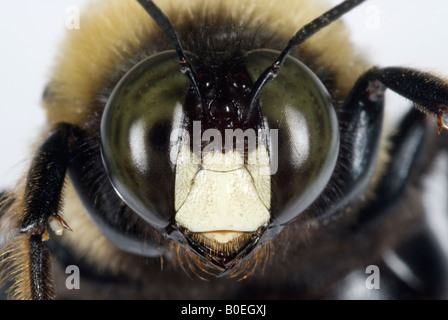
429, 95
41, 207
408, 146
45, 182
428, 92
361, 123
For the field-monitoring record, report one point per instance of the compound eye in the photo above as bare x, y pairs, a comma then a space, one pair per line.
303, 131
142, 112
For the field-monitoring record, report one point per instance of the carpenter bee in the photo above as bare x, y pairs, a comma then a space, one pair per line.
225, 149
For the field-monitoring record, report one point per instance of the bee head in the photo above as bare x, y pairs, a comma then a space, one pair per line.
213, 157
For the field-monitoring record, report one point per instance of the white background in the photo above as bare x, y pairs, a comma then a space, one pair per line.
402, 32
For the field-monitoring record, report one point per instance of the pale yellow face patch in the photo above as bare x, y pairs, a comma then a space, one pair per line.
222, 194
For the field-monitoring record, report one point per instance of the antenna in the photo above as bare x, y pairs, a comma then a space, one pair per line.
167, 27
303, 34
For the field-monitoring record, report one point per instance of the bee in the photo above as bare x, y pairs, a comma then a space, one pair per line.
225, 149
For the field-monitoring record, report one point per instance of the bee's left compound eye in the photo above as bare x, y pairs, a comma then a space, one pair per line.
304, 132
135, 136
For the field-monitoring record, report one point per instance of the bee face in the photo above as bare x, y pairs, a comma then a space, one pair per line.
155, 167
218, 162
